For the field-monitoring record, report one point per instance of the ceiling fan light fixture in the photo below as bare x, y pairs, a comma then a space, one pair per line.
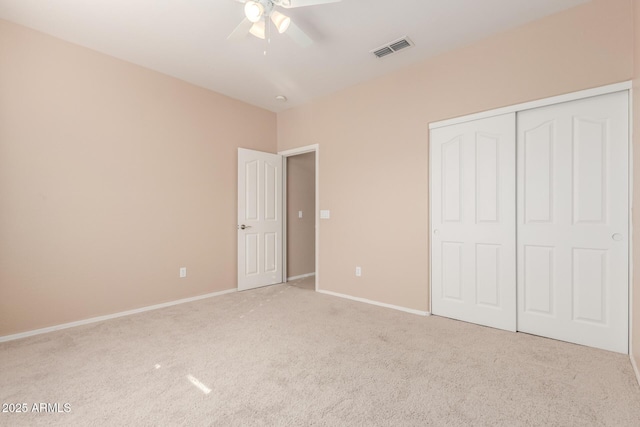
253, 11
258, 30
280, 20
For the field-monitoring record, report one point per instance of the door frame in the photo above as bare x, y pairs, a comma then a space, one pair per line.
573, 96
314, 148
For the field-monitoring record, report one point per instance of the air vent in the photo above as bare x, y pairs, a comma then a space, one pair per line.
383, 52
392, 47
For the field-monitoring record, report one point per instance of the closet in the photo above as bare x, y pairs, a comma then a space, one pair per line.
530, 220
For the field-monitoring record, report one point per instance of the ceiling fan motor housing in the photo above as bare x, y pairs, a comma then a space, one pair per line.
284, 3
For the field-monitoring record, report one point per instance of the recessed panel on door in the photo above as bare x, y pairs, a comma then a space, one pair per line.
451, 180
537, 172
452, 271
250, 191
538, 280
589, 283
252, 251
590, 152
271, 252
487, 177
271, 199
488, 275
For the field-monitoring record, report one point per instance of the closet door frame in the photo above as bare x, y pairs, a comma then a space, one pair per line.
602, 90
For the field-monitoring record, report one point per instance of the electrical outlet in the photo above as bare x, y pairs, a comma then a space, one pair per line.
358, 271
183, 272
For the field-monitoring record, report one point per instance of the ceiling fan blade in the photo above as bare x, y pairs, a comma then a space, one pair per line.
241, 30
290, 4
298, 35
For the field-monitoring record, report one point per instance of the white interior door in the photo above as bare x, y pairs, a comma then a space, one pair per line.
573, 233
259, 219
473, 224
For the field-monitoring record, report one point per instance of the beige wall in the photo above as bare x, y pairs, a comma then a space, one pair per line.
301, 196
112, 177
374, 138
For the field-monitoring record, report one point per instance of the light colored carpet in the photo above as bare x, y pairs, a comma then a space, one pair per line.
285, 355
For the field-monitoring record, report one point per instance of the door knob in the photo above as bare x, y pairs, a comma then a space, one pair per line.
242, 227
617, 237
435, 232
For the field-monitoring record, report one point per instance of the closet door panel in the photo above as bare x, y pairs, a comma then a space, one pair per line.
573, 234
473, 221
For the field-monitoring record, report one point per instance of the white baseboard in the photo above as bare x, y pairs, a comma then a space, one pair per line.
635, 367
111, 316
301, 276
379, 304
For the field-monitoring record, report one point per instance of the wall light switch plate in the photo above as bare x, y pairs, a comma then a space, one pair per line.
358, 271
183, 272
325, 214
299, 214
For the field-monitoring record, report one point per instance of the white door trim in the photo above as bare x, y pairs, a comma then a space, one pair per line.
315, 148
573, 96
631, 175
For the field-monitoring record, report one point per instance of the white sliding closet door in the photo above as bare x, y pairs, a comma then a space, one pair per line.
573, 233
473, 221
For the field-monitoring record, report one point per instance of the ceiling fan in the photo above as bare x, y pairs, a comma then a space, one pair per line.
259, 14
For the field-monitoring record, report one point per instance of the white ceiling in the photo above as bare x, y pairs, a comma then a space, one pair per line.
187, 38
